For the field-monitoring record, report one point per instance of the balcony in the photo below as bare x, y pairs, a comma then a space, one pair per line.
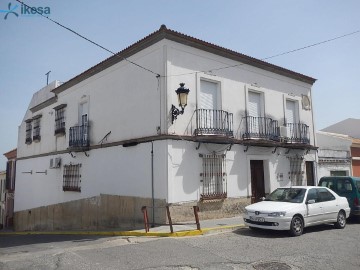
260, 128
214, 122
79, 138
298, 133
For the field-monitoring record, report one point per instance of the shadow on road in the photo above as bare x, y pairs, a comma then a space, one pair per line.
7, 241
259, 233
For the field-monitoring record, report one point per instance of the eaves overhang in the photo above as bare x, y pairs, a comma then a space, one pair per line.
165, 33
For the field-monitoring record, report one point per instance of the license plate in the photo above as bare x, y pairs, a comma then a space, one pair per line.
258, 219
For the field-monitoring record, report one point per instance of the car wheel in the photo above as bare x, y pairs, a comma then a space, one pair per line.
340, 221
297, 226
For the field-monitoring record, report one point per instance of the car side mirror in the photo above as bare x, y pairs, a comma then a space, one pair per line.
310, 201
262, 199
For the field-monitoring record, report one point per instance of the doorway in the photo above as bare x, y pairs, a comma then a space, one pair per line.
310, 173
257, 180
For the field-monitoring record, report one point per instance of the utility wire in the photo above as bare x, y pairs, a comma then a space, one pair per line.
273, 56
89, 40
195, 72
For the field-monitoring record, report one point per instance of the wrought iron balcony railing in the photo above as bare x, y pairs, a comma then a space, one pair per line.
214, 122
260, 128
298, 133
79, 137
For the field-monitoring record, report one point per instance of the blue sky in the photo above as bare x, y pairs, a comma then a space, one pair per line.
30, 46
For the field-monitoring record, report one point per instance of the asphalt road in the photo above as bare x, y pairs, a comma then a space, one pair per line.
321, 247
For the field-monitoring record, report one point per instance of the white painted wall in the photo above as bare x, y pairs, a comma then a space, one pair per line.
132, 103
110, 170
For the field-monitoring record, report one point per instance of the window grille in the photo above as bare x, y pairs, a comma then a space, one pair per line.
28, 138
72, 177
296, 171
60, 120
214, 178
36, 129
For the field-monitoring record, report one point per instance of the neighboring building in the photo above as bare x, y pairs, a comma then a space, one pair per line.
355, 154
334, 158
350, 127
10, 188
94, 150
2, 198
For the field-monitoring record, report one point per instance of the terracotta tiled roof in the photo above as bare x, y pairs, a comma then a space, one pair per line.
165, 33
11, 154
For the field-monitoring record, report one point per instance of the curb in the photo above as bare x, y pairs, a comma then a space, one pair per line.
132, 233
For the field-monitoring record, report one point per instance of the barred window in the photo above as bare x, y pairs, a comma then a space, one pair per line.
60, 119
72, 177
213, 177
36, 129
28, 134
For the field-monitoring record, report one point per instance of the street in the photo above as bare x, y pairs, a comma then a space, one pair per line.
321, 247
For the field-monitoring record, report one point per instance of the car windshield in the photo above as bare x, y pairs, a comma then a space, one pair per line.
292, 195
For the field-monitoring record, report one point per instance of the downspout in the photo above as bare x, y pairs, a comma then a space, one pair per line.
152, 185
314, 134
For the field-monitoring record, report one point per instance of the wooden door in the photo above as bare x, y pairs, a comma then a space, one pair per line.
257, 180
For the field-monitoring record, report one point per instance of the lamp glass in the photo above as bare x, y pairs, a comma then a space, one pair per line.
182, 98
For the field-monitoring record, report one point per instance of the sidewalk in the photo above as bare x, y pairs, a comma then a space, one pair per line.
207, 226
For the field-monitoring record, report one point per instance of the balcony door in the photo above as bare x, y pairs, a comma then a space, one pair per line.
84, 122
291, 116
255, 112
208, 104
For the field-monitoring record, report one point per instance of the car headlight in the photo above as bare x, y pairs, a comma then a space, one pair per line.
277, 214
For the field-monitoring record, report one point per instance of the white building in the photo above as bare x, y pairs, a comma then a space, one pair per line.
334, 154
95, 149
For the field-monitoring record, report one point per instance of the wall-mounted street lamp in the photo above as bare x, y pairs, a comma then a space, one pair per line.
182, 94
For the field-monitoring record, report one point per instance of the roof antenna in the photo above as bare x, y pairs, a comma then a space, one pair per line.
47, 77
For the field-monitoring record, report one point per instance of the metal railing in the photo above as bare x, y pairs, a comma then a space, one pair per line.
260, 128
79, 137
298, 133
214, 122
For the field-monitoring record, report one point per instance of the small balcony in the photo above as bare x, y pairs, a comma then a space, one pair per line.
214, 122
79, 138
263, 128
298, 133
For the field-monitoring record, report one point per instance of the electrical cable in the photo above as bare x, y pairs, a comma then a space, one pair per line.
195, 72
87, 39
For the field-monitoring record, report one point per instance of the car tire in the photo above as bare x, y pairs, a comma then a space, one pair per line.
340, 220
296, 226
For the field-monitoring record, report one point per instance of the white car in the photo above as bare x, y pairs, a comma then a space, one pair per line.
297, 207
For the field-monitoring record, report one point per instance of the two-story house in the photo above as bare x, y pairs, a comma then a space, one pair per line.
170, 120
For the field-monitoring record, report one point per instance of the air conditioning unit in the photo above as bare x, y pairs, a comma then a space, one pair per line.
55, 163
284, 132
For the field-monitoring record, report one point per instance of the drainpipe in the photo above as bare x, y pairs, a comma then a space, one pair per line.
152, 184
315, 141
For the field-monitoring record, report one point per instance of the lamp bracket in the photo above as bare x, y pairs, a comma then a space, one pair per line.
175, 112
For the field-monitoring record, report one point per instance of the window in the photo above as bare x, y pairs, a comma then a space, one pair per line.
329, 183
60, 119
72, 177
213, 177
36, 128
312, 195
28, 138
325, 195
344, 186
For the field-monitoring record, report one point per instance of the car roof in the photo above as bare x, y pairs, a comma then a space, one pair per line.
304, 187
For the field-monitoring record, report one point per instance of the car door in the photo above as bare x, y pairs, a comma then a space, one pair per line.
313, 209
328, 204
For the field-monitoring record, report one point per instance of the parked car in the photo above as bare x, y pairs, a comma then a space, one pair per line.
345, 186
297, 207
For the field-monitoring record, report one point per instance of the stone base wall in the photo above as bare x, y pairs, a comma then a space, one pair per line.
209, 209
95, 213
120, 213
